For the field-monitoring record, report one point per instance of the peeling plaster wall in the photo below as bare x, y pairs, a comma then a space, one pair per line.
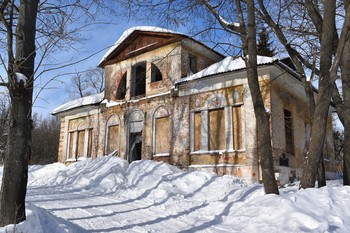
288, 93
279, 90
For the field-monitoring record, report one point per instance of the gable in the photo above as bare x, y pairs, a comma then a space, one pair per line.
140, 42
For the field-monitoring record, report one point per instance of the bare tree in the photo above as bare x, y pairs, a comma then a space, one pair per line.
29, 30
20, 84
86, 83
46, 133
4, 115
323, 35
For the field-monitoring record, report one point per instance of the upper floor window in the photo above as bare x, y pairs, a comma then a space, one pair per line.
121, 90
288, 126
156, 74
138, 79
192, 64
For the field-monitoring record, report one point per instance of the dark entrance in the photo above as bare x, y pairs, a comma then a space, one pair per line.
135, 146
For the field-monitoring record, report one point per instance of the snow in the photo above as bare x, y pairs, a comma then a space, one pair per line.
87, 100
110, 195
128, 32
21, 78
235, 24
226, 65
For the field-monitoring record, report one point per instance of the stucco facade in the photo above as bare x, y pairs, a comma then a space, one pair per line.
157, 106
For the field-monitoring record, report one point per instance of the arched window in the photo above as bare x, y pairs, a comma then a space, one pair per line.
121, 90
216, 118
161, 131
112, 134
138, 81
156, 74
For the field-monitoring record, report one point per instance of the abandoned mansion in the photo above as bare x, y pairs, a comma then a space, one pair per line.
170, 98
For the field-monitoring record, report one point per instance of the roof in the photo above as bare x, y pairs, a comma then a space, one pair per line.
144, 29
226, 65
130, 31
84, 101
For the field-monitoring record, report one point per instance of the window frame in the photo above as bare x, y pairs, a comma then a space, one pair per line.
134, 89
113, 120
215, 102
161, 111
73, 138
155, 72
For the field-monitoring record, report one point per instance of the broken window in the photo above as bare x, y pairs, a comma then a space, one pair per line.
217, 136
112, 138
288, 126
81, 142
112, 134
156, 74
79, 139
121, 91
89, 152
71, 145
197, 131
192, 64
138, 84
237, 127
162, 135
162, 132
217, 127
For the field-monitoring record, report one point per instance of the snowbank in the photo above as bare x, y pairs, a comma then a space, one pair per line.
109, 195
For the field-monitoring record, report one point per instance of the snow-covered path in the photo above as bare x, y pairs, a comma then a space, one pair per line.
109, 195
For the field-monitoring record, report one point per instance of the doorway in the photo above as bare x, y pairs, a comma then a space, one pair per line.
135, 146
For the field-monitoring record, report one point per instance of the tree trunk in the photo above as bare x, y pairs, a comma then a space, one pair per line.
262, 118
14, 181
321, 176
345, 75
318, 129
346, 154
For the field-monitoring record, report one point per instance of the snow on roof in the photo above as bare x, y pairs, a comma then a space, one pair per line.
226, 65
87, 100
128, 32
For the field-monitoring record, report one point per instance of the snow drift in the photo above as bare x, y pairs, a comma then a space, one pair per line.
109, 195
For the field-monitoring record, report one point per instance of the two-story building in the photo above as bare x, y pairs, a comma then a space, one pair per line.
171, 98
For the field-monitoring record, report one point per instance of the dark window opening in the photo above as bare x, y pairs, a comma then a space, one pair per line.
138, 86
135, 146
121, 91
192, 64
156, 74
288, 127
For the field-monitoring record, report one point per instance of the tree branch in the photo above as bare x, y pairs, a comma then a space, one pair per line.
231, 27
341, 44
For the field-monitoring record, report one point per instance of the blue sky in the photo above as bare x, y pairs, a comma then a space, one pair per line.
51, 94
55, 93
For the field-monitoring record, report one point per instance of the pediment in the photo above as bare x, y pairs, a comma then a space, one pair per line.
140, 42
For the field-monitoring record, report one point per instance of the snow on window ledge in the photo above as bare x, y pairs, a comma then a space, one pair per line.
161, 155
215, 151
